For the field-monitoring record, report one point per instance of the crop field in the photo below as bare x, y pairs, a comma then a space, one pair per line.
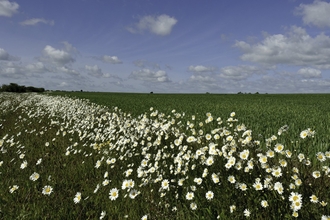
79, 155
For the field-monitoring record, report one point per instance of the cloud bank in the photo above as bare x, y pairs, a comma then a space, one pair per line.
295, 48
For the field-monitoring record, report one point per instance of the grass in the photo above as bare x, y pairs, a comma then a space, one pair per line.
77, 146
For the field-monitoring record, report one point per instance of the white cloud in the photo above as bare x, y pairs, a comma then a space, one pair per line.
108, 75
200, 83
8, 8
295, 48
239, 72
63, 84
146, 64
224, 37
4, 55
275, 84
111, 59
11, 70
150, 76
199, 69
140, 63
58, 57
69, 48
67, 70
316, 13
160, 25
309, 73
38, 67
200, 78
95, 70
35, 21
17, 70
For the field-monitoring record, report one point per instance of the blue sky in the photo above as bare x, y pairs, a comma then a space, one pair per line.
172, 46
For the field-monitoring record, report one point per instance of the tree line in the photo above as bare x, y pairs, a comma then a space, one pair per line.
13, 87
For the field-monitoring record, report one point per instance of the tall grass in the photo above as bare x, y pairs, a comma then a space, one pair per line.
65, 158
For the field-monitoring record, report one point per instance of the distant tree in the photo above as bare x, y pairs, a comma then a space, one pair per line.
41, 89
3, 88
29, 89
13, 87
151, 92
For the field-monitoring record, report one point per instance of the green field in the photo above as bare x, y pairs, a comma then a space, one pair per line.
164, 156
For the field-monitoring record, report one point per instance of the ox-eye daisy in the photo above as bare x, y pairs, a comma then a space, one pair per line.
47, 190
270, 154
34, 176
295, 214
257, 185
133, 193
232, 208
264, 203
316, 174
320, 156
243, 186
77, 198
277, 172
263, 159
165, 184
247, 213
113, 194
244, 154
304, 134
193, 206
231, 179
279, 187
278, 148
190, 195
209, 195
296, 205
13, 188
103, 213
24, 164
283, 163
209, 161
314, 199
295, 197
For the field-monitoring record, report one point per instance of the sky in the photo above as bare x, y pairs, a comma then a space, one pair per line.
172, 46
